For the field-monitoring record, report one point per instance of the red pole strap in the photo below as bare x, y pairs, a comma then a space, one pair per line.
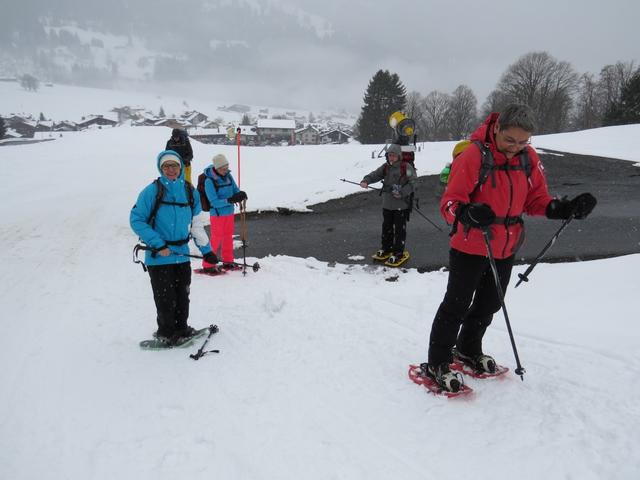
238, 142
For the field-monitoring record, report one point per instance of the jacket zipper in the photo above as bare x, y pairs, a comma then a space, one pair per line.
506, 227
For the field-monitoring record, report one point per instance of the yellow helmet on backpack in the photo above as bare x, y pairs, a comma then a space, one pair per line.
460, 147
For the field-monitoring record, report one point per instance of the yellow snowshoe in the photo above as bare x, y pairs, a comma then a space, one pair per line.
381, 255
397, 260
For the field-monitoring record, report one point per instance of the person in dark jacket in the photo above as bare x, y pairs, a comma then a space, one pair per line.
398, 180
498, 204
168, 236
179, 142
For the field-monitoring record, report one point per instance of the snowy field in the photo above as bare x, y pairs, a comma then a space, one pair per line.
311, 381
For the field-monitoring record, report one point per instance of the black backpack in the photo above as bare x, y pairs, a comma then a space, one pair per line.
204, 200
159, 200
488, 167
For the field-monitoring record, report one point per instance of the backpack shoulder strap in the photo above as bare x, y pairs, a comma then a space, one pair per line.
525, 161
189, 189
486, 165
158, 201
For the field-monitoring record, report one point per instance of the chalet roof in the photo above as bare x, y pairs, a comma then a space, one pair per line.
276, 123
208, 131
308, 127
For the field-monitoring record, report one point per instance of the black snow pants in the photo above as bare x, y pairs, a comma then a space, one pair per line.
394, 230
170, 284
470, 301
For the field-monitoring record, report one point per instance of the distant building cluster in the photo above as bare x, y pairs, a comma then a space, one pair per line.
282, 129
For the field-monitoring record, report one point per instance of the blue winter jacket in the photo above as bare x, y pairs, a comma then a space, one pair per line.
172, 222
226, 186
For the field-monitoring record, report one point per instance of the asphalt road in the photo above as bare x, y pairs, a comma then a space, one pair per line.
339, 229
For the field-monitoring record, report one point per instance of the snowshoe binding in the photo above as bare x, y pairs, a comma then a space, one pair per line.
381, 255
181, 339
396, 260
477, 366
211, 271
439, 380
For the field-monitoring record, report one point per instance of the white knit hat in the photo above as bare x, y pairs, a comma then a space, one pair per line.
219, 161
170, 157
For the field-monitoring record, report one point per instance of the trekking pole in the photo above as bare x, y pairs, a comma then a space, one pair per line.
485, 233
426, 218
358, 183
378, 189
201, 353
255, 267
243, 234
524, 277
238, 137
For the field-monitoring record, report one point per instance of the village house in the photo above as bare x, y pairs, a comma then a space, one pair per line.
308, 135
25, 127
65, 126
272, 131
334, 136
169, 122
217, 135
248, 135
97, 120
194, 118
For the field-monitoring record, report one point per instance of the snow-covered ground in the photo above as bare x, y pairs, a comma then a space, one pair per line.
311, 381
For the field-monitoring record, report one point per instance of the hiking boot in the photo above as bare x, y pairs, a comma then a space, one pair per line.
231, 266
186, 332
166, 341
480, 363
444, 377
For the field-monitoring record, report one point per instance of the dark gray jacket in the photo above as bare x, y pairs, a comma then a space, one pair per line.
394, 180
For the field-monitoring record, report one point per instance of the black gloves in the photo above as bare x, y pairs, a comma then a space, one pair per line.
579, 207
479, 215
210, 258
237, 197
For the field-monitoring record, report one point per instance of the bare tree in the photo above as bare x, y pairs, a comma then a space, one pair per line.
545, 84
29, 82
414, 109
436, 110
463, 111
613, 79
590, 105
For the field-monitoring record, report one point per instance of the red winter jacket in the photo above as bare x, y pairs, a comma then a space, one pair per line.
512, 195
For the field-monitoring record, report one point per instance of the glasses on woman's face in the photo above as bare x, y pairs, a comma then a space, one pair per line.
170, 166
512, 142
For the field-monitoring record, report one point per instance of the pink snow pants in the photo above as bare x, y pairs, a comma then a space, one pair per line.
222, 234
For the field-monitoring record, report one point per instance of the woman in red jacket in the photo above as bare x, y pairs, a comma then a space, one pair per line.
515, 184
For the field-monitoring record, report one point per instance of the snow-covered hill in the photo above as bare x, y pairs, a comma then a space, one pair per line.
311, 381
63, 102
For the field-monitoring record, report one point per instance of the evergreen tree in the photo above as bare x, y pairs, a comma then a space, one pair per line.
42, 119
3, 128
161, 113
627, 110
246, 119
385, 94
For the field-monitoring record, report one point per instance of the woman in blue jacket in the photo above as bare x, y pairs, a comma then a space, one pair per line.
165, 226
222, 192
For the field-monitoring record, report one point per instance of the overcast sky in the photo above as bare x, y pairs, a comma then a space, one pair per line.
318, 54
434, 45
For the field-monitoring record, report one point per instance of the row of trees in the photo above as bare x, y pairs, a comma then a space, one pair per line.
561, 99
